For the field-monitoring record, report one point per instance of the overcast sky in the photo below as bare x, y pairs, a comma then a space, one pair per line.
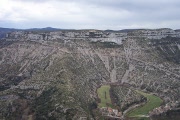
90, 14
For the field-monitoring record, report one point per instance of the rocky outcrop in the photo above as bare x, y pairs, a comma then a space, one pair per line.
93, 35
157, 33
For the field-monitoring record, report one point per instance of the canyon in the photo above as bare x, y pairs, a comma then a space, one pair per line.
56, 74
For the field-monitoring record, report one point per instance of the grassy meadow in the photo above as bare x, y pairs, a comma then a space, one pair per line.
152, 102
104, 96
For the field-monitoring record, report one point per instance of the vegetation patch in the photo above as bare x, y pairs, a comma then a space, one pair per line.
105, 44
124, 97
104, 96
152, 102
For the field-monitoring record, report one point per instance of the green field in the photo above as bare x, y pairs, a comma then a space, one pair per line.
152, 102
104, 96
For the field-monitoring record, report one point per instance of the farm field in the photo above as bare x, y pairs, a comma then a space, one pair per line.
142, 111
104, 96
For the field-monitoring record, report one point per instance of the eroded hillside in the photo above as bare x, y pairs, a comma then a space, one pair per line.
55, 75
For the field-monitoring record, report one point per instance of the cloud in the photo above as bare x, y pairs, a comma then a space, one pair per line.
81, 14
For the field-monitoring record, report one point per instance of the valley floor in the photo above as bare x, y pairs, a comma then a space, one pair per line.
107, 108
143, 111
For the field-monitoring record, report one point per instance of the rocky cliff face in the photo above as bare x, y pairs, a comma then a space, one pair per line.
93, 35
54, 75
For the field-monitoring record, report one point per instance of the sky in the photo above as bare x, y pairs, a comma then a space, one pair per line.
90, 14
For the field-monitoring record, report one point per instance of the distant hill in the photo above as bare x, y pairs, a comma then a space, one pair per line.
44, 29
3, 31
129, 30
178, 30
123, 30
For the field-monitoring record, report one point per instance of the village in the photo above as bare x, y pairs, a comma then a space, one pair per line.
108, 111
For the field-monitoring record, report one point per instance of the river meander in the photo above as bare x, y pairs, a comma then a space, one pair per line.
139, 112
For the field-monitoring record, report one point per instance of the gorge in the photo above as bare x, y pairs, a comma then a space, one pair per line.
55, 74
